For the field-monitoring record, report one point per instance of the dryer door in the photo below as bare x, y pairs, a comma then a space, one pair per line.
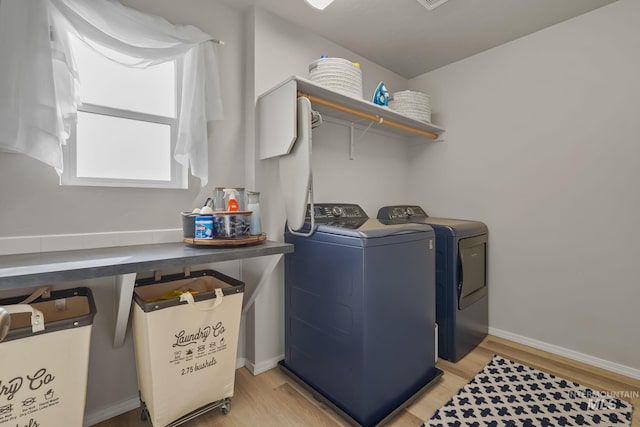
472, 270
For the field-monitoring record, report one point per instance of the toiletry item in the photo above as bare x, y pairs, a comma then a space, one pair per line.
232, 202
204, 227
381, 95
253, 205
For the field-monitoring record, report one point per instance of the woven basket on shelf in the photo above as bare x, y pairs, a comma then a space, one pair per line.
411, 104
337, 74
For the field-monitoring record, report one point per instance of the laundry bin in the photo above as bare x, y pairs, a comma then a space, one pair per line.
44, 358
185, 330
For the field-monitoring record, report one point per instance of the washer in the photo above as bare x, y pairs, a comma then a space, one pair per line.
360, 312
461, 278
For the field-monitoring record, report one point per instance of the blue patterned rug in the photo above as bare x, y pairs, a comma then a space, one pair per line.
507, 394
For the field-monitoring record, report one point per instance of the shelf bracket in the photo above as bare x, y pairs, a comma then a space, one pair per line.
266, 274
123, 295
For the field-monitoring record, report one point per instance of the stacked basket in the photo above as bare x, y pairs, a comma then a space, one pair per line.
340, 75
411, 104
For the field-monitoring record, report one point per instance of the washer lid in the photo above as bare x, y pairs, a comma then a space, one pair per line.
372, 228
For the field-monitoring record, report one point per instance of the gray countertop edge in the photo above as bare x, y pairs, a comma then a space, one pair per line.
27, 270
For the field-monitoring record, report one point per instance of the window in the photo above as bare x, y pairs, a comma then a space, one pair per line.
42, 99
127, 124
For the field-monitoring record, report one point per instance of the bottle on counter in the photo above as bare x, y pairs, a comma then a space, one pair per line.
253, 205
204, 227
232, 203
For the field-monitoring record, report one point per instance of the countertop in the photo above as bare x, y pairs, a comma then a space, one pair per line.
26, 270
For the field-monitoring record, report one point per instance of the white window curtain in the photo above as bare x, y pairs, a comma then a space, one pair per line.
38, 78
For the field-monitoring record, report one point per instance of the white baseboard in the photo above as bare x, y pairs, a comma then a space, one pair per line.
570, 354
265, 366
113, 410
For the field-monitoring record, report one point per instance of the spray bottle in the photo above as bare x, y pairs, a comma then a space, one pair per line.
232, 204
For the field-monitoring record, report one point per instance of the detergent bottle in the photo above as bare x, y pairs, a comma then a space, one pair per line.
232, 203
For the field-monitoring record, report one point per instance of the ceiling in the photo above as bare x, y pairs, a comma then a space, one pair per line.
403, 36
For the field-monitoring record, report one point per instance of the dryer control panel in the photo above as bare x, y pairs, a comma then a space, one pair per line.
402, 212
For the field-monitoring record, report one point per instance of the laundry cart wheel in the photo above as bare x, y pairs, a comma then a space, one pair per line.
226, 406
144, 413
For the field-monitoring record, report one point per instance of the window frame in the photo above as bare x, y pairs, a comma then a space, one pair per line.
179, 173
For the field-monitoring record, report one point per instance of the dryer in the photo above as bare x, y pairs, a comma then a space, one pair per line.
360, 311
462, 311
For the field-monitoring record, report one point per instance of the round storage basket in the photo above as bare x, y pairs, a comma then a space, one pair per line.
411, 104
338, 74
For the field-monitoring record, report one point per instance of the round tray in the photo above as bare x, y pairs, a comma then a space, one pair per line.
251, 240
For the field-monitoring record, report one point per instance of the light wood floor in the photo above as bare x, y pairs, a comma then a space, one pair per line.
272, 399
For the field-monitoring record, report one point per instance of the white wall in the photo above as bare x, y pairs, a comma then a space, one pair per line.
32, 203
542, 145
377, 175
379, 169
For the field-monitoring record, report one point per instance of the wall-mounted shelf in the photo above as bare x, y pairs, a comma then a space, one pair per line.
277, 115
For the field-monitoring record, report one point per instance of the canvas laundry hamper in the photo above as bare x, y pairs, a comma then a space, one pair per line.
186, 344
44, 358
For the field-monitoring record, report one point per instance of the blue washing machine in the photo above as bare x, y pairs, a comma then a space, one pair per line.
462, 309
360, 312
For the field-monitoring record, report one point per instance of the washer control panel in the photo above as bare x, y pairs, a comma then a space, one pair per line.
402, 212
338, 215
330, 211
